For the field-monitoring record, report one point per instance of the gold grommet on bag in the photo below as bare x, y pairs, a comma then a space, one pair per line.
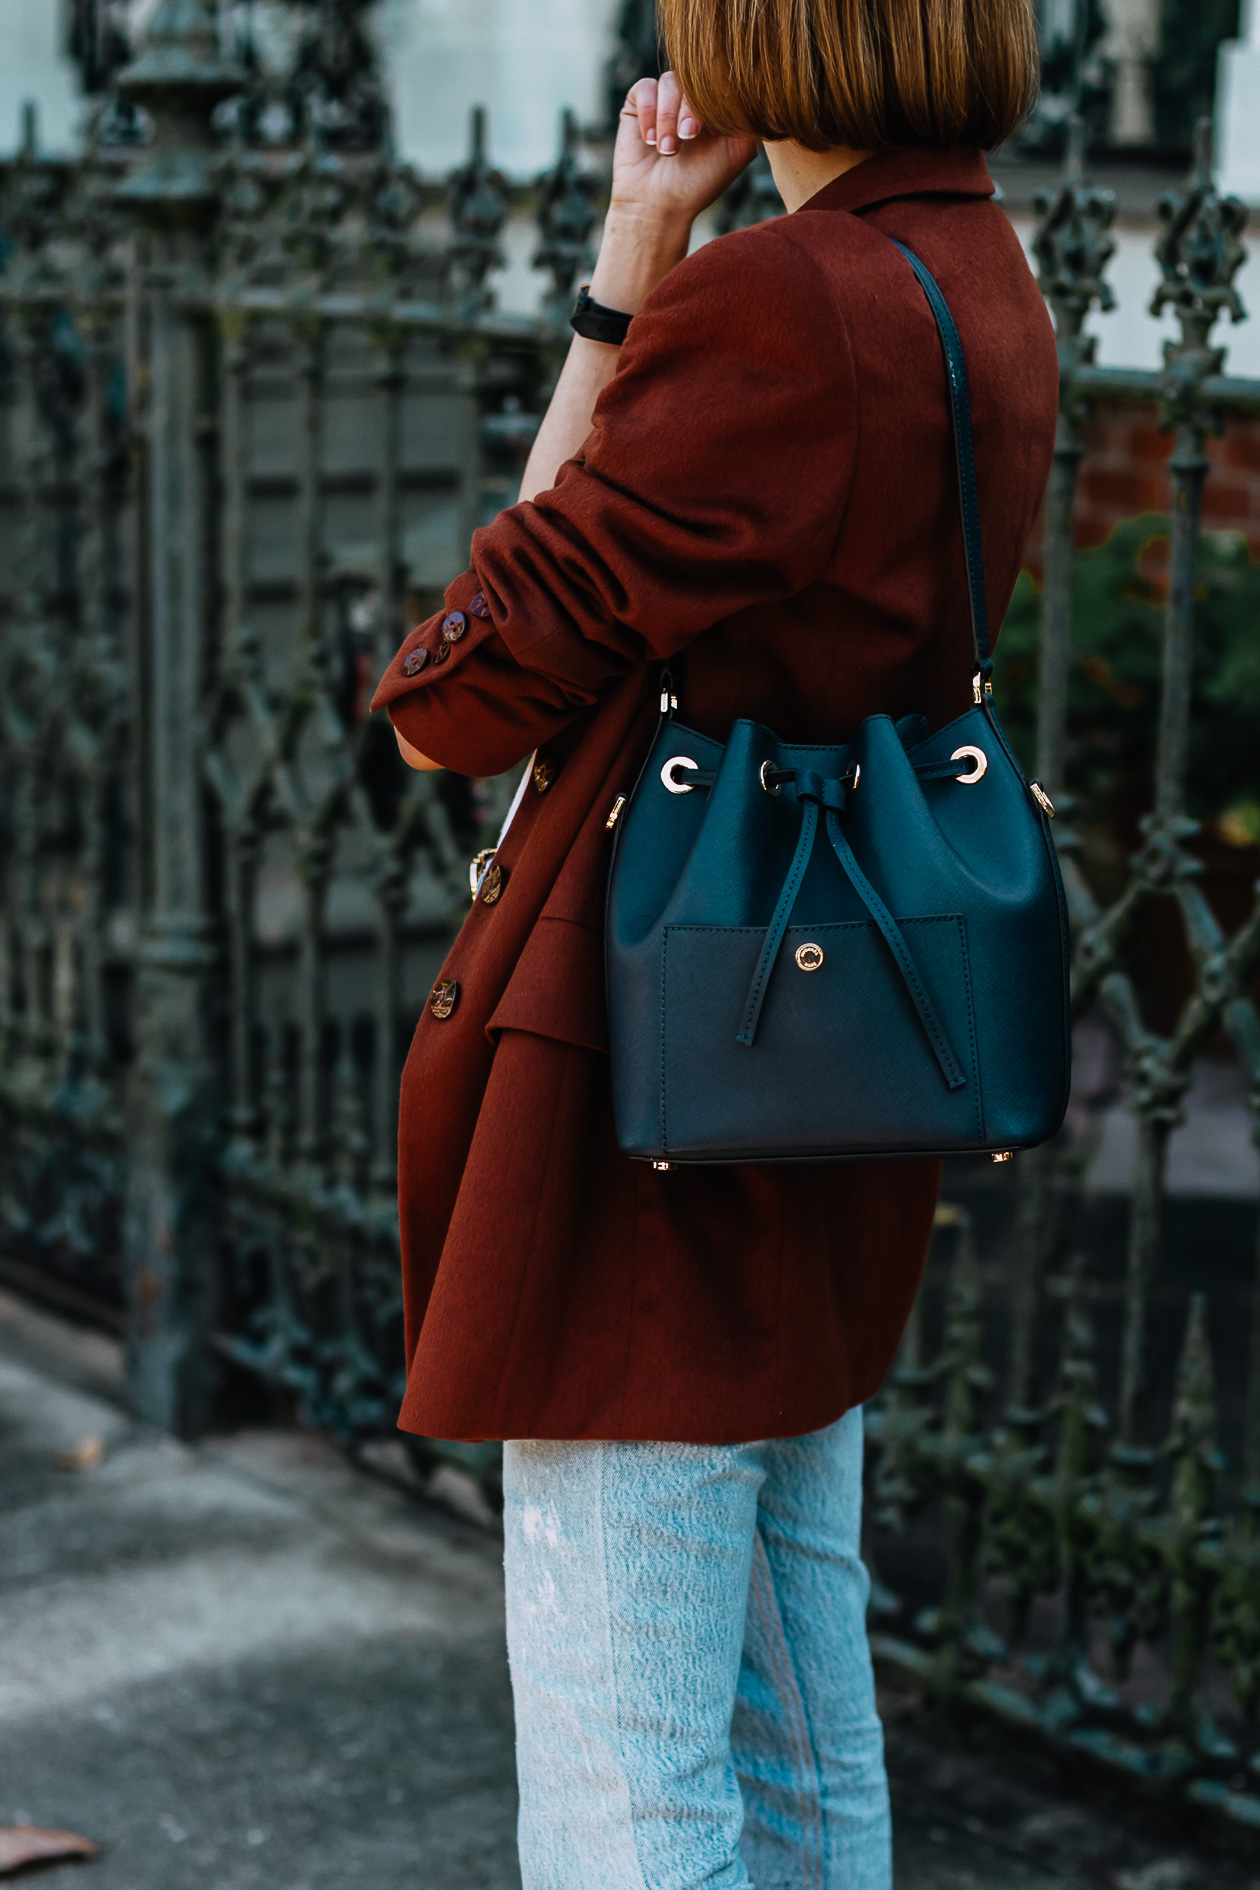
443, 998
979, 767
667, 774
809, 957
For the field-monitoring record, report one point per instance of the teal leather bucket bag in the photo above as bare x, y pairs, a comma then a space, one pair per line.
823, 953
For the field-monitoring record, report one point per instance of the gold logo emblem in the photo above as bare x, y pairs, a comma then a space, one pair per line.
809, 957
444, 998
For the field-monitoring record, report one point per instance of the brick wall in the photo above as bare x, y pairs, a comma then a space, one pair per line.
1125, 472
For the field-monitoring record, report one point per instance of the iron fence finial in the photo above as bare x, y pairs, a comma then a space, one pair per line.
1073, 243
1200, 250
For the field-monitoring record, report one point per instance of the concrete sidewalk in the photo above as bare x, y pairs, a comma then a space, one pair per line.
250, 1664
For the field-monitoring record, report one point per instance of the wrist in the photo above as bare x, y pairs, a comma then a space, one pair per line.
638, 250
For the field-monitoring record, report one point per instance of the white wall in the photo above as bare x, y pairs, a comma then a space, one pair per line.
1238, 108
32, 66
525, 60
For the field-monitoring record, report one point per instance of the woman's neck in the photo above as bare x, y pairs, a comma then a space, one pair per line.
800, 174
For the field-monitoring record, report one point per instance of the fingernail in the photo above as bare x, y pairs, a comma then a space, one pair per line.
668, 146
689, 128
650, 136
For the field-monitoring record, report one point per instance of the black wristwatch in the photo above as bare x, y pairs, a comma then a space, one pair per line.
597, 323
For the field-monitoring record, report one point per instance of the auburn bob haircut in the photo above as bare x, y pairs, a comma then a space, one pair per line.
871, 74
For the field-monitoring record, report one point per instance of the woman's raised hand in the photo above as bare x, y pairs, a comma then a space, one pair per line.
666, 169
665, 160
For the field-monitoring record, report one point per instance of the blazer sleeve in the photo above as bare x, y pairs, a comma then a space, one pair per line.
714, 478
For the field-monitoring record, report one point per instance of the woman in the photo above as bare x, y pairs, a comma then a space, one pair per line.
762, 477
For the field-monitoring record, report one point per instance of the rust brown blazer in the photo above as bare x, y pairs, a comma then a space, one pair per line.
769, 486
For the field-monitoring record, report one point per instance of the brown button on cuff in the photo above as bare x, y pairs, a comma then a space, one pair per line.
492, 884
414, 662
479, 607
454, 626
443, 998
544, 775
442, 651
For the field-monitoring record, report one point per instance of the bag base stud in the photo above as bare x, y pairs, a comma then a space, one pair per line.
1003, 1155
662, 1168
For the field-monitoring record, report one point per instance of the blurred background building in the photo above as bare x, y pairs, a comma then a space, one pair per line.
1139, 71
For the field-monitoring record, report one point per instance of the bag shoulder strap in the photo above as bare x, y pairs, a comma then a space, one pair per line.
960, 408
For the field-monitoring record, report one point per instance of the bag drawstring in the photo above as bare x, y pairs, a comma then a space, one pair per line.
815, 793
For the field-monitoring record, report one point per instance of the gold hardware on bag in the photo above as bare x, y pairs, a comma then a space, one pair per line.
667, 774
980, 768
978, 694
615, 816
1003, 1155
1042, 799
662, 1168
771, 787
809, 957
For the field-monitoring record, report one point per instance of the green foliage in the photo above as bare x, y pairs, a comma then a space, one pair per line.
1117, 638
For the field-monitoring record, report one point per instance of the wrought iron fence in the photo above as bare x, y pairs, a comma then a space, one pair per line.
254, 395
1104, 1544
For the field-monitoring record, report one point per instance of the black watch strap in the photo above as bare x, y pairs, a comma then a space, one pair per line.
597, 323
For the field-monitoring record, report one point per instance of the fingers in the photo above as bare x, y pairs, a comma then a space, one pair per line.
641, 105
676, 122
666, 120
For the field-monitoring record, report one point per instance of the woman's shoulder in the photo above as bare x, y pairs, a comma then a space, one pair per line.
760, 260
782, 273
752, 291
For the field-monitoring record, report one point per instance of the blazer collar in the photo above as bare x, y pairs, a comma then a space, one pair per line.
958, 172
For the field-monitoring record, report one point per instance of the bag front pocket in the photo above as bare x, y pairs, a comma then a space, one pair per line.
841, 1064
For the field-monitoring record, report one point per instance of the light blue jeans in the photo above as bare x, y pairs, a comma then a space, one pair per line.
694, 1698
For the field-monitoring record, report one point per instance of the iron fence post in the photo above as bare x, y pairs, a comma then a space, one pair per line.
172, 1102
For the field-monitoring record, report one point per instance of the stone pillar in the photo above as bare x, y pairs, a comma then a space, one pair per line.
1238, 109
1130, 44
173, 1108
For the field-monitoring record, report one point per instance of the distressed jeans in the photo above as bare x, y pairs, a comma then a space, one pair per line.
694, 1697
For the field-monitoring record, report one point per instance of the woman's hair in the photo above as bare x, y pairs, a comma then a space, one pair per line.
873, 74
